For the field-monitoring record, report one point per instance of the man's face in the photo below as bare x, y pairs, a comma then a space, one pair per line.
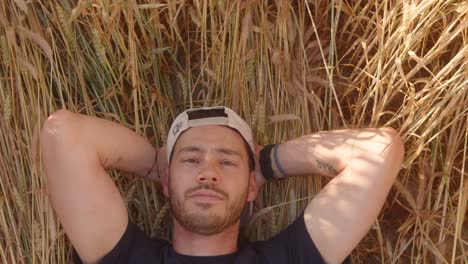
209, 181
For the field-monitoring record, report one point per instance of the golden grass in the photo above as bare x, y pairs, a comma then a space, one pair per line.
288, 67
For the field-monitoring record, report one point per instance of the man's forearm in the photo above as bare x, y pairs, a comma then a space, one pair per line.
366, 161
116, 146
330, 152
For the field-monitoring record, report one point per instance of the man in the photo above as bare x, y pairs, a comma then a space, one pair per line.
212, 168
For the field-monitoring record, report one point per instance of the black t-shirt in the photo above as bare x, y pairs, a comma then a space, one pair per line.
292, 245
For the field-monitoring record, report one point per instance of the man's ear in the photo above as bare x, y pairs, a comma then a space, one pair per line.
165, 182
253, 188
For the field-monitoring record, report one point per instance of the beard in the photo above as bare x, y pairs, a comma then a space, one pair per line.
203, 218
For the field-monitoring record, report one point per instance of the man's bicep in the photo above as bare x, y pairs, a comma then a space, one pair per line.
345, 209
85, 199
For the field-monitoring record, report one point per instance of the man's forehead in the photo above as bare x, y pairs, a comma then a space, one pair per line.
203, 149
211, 136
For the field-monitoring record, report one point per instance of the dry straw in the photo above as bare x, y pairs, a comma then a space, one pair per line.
290, 67
5, 55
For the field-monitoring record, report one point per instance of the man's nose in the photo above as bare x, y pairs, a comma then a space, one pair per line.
208, 173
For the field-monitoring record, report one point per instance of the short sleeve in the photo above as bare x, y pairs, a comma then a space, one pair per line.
133, 247
293, 245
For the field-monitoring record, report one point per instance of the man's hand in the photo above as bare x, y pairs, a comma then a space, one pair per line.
162, 163
258, 171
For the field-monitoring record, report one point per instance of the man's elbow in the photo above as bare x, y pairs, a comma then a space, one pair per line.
394, 152
395, 141
55, 131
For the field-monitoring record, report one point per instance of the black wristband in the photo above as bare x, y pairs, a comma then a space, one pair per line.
265, 162
278, 166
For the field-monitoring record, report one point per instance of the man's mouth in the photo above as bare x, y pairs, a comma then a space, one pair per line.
207, 195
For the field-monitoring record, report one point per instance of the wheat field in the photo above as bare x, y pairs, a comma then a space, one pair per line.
288, 67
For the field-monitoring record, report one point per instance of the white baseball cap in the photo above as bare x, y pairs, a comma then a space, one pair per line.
218, 115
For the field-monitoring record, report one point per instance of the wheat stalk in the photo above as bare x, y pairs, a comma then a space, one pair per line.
5, 55
328, 64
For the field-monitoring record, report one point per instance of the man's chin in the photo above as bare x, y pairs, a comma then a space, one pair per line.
204, 223
205, 216
205, 212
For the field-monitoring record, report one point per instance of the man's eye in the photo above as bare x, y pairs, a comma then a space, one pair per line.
227, 163
190, 161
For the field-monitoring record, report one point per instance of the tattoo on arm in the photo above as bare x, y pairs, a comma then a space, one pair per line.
326, 167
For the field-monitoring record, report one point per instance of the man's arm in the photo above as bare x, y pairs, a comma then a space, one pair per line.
76, 150
363, 163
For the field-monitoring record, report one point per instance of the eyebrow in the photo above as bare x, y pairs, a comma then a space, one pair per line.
226, 151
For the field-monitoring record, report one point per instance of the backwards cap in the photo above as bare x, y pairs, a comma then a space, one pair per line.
218, 115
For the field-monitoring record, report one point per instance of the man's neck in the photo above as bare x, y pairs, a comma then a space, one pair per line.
187, 243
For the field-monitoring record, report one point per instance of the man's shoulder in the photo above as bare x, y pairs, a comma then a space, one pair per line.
291, 245
134, 247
